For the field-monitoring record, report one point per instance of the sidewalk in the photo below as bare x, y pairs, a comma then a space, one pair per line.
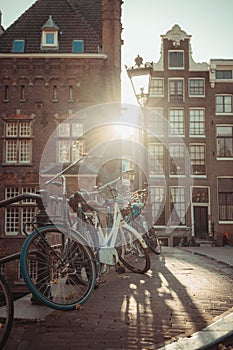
222, 329
100, 313
222, 254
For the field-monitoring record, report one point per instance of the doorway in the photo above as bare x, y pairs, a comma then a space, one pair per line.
200, 221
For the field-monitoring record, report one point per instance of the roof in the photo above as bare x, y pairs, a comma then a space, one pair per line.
75, 19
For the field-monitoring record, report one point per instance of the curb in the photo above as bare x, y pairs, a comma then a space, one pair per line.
206, 338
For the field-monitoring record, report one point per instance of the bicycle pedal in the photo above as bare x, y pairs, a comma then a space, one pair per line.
120, 269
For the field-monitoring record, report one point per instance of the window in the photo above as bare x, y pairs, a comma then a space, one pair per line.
78, 46
197, 155
176, 122
225, 199
196, 87
157, 195
18, 46
176, 59
197, 122
32, 270
49, 39
18, 142
200, 195
177, 205
176, 90
22, 93
156, 123
224, 141
156, 158
69, 145
223, 104
156, 87
6, 93
71, 94
17, 214
223, 74
177, 159
54, 98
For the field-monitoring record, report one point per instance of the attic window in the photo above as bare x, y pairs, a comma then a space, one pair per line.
18, 46
78, 46
49, 38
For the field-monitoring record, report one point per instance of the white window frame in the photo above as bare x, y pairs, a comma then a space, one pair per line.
158, 197
69, 146
18, 142
178, 198
175, 67
156, 123
229, 208
18, 213
224, 150
156, 87
200, 160
177, 157
197, 122
173, 131
224, 111
44, 42
176, 96
197, 88
156, 159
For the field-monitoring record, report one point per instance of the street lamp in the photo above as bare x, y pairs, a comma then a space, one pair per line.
139, 76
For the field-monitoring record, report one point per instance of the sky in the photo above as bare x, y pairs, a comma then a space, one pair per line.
208, 21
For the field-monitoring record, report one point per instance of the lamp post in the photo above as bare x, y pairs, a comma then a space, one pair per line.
139, 76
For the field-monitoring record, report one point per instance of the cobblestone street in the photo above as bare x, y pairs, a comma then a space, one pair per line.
181, 294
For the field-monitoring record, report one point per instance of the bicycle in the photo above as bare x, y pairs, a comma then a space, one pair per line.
113, 240
133, 213
6, 311
66, 265
60, 255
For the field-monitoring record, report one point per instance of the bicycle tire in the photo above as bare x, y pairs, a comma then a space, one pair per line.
65, 268
6, 311
133, 252
154, 242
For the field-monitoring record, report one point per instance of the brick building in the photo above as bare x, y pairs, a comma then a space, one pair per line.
190, 141
57, 58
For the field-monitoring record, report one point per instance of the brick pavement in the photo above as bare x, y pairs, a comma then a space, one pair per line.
181, 294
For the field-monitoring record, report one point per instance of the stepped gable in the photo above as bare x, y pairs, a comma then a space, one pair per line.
72, 24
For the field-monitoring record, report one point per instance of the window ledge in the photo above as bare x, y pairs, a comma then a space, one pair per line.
16, 164
197, 96
224, 113
225, 158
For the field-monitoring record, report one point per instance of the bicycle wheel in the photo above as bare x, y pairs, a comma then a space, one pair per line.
154, 242
132, 251
6, 311
58, 271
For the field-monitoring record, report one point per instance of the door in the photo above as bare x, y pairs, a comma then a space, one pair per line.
201, 221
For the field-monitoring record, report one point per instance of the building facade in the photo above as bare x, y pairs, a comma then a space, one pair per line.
189, 116
57, 58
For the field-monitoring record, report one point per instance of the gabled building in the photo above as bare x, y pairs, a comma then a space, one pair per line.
190, 139
57, 58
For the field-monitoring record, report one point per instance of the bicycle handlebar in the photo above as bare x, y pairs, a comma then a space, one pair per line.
21, 197
109, 184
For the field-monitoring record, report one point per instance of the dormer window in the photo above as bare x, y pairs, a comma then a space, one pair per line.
49, 38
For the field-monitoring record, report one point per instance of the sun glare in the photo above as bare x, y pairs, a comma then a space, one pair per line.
125, 132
